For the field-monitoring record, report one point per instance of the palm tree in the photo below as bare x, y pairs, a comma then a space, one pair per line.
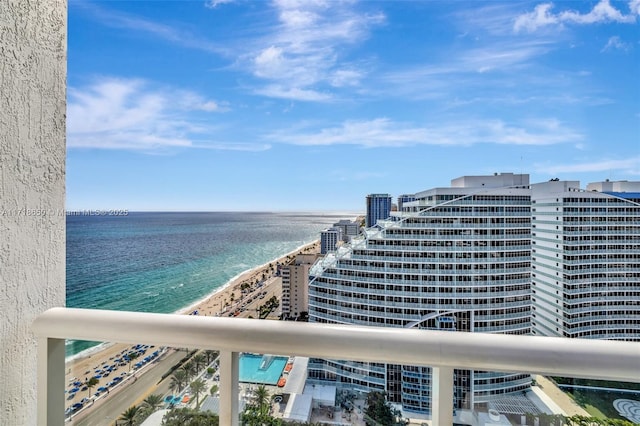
197, 387
179, 379
129, 416
131, 356
210, 355
262, 399
199, 361
153, 402
190, 370
91, 383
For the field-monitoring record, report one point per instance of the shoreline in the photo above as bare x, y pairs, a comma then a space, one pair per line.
81, 366
237, 277
235, 280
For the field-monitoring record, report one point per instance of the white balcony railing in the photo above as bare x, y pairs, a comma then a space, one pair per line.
443, 351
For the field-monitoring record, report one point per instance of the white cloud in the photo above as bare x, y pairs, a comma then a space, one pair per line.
540, 17
477, 70
134, 114
626, 166
293, 93
168, 33
301, 55
212, 4
614, 43
345, 77
383, 132
603, 11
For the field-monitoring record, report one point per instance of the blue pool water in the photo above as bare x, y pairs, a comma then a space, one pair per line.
250, 371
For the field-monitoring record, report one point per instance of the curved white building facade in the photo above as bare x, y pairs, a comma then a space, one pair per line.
458, 259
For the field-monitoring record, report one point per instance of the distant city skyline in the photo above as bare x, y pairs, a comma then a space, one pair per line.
279, 106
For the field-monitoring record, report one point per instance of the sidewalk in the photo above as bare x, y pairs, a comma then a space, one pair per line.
561, 399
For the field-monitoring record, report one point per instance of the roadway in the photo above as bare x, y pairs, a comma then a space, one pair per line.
106, 410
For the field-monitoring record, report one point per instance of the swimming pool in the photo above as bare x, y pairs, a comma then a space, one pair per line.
251, 371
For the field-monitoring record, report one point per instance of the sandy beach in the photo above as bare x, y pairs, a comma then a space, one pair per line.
221, 302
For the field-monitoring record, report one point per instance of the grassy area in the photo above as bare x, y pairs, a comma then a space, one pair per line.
599, 403
594, 411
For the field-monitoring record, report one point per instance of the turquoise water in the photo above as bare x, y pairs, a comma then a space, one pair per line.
164, 262
250, 371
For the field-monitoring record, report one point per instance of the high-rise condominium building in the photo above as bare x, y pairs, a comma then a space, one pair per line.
378, 208
295, 284
586, 260
349, 228
329, 239
457, 259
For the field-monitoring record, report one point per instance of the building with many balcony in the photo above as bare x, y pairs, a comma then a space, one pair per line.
295, 284
378, 208
455, 259
329, 239
586, 260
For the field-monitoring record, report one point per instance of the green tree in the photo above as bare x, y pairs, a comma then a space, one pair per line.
91, 383
189, 417
262, 400
378, 411
190, 370
199, 361
197, 387
153, 402
210, 355
213, 390
129, 417
131, 356
178, 380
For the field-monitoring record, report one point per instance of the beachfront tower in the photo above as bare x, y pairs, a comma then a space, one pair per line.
378, 207
586, 260
349, 229
329, 239
457, 259
295, 284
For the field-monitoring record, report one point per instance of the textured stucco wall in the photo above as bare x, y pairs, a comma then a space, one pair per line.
33, 48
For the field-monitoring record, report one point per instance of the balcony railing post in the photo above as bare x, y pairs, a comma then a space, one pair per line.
229, 388
442, 396
50, 381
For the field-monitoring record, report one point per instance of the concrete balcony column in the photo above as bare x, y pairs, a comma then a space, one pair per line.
442, 396
229, 388
50, 372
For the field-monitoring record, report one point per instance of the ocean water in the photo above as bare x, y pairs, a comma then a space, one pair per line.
164, 262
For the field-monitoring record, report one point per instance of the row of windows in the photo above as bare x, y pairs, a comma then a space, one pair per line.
569, 219
612, 228
600, 257
602, 247
597, 200
451, 280
601, 210
596, 266
436, 257
596, 239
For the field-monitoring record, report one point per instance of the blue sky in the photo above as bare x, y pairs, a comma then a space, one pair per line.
286, 105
